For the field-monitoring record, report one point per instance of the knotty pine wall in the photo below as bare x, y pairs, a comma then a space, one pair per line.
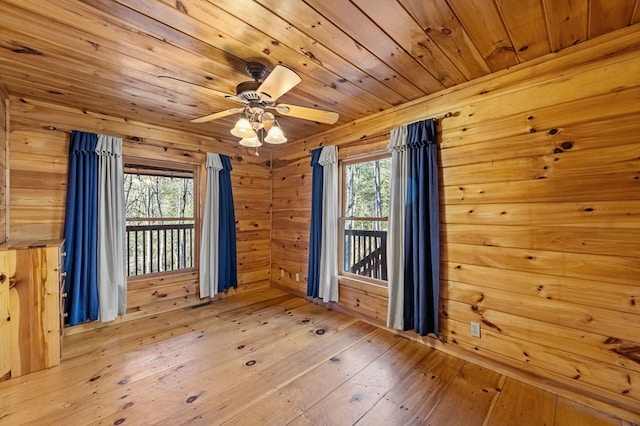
540, 217
4, 136
38, 173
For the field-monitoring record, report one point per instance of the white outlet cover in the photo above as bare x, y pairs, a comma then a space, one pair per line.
475, 329
297, 276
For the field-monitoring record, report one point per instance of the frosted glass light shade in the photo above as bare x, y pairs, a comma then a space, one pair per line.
243, 129
251, 142
275, 135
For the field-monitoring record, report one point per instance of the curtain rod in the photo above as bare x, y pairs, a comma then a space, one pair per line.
440, 117
68, 132
388, 133
138, 139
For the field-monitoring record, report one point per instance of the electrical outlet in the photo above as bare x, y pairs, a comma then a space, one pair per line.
281, 273
475, 329
297, 276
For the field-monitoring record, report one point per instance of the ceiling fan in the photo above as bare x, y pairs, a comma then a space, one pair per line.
259, 97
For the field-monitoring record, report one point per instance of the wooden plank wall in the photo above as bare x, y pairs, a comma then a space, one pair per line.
4, 136
540, 194
38, 170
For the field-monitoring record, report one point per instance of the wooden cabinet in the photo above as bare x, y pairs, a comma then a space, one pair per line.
29, 307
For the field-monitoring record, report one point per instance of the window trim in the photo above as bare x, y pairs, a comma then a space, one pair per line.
354, 159
167, 168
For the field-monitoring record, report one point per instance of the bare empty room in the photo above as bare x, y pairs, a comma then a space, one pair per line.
328, 212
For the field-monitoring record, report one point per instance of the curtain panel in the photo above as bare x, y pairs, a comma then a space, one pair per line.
218, 264
94, 229
81, 230
413, 246
322, 277
395, 233
112, 277
228, 268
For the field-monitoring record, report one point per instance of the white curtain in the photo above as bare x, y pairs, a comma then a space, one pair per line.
210, 229
112, 279
395, 236
328, 286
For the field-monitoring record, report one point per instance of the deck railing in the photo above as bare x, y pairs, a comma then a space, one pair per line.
160, 246
365, 253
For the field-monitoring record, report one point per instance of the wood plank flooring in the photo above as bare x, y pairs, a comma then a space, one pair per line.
268, 358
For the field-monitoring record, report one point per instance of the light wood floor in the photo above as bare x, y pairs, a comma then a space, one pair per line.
265, 357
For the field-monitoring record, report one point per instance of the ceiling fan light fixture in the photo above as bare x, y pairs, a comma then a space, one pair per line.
259, 95
243, 129
252, 142
275, 135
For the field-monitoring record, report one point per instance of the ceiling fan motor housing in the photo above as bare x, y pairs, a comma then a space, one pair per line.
256, 70
247, 90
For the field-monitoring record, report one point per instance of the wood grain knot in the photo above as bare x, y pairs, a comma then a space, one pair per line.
567, 145
320, 331
250, 363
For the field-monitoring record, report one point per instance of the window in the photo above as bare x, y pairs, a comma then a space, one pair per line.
364, 216
159, 207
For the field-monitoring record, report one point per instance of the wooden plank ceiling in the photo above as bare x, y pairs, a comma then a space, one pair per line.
355, 57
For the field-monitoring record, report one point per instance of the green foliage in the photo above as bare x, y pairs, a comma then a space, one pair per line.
367, 192
157, 196
158, 245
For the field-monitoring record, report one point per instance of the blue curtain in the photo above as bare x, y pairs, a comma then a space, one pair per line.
81, 229
315, 237
227, 266
422, 231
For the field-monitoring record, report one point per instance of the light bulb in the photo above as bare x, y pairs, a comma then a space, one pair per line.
243, 129
275, 135
251, 142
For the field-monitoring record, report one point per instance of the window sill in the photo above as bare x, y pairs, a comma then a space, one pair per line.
162, 275
377, 288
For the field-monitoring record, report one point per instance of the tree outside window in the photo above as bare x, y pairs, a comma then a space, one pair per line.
364, 218
159, 207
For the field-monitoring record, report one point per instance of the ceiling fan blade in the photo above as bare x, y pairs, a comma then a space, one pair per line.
214, 91
279, 82
217, 115
305, 113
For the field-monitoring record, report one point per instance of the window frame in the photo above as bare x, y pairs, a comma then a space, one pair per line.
354, 159
170, 169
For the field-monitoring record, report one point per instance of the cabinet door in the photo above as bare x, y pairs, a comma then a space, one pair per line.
5, 317
34, 309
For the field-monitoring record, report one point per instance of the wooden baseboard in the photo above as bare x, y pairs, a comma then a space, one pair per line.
187, 303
